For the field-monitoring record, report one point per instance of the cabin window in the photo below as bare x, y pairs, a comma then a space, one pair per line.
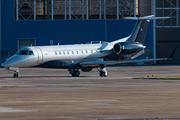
77, 52
63, 52
55, 53
67, 52
91, 51
86, 51
72, 52
59, 53
81, 51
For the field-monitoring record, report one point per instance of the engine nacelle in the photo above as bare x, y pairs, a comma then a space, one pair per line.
127, 48
117, 48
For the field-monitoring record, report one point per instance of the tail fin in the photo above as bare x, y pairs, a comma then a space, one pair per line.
142, 32
139, 32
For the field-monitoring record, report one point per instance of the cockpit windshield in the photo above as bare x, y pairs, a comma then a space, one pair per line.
25, 52
22, 52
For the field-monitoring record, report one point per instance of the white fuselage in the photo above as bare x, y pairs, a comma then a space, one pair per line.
74, 52
71, 54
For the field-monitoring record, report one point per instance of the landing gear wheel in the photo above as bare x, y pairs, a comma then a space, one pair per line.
103, 74
16, 75
74, 73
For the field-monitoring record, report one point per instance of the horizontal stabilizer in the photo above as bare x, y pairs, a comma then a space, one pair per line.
150, 17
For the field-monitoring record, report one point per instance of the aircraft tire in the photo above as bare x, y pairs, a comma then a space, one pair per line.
103, 74
77, 73
16, 75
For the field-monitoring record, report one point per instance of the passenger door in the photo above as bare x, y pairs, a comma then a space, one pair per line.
40, 55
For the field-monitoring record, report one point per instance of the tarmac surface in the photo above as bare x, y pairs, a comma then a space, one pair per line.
53, 94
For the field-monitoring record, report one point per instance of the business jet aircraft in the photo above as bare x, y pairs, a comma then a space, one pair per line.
85, 56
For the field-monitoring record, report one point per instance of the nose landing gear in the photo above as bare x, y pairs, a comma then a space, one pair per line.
16, 74
16, 71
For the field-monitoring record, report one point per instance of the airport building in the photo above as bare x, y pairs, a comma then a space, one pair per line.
53, 22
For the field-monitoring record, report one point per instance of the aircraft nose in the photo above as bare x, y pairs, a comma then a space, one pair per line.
19, 61
8, 63
13, 61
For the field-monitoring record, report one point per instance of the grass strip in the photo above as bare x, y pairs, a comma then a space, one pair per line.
10, 86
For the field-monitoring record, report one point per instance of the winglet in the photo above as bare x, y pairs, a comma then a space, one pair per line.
172, 54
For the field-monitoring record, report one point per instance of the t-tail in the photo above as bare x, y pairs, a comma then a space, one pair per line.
139, 32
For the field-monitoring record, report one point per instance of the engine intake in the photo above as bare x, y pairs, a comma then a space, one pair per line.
117, 48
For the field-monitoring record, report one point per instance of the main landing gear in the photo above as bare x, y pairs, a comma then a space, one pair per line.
74, 73
103, 72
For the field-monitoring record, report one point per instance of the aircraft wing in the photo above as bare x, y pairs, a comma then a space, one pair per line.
89, 64
98, 63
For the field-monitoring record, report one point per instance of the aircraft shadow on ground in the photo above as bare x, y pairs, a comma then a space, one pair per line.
45, 77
